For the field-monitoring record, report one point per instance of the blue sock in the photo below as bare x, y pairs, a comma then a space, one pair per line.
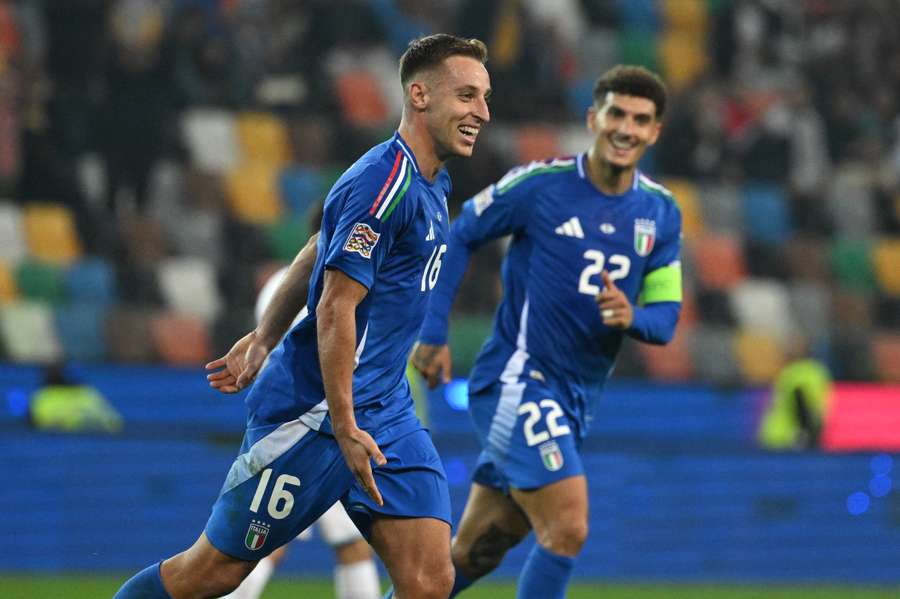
460, 584
146, 584
545, 575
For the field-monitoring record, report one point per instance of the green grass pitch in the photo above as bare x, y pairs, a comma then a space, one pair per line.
16, 586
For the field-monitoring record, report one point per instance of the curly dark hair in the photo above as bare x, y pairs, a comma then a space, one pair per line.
632, 80
430, 51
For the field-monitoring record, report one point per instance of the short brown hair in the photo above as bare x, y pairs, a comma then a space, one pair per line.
632, 80
430, 51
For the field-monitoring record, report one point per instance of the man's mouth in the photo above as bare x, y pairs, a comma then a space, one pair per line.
623, 145
469, 132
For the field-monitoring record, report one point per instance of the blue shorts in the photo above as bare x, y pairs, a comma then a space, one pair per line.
288, 475
528, 440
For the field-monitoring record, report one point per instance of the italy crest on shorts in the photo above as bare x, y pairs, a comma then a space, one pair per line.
256, 535
644, 236
551, 456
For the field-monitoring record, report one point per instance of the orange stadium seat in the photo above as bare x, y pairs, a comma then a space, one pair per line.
719, 261
688, 16
263, 138
886, 263
252, 191
8, 290
181, 339
670, 362
759, 355
28, 332
51, 233
688, 200
536, 142
13, 247
361, 98
682, 55
886, 355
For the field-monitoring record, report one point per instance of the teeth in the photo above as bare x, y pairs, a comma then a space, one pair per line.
621, 144
468, 130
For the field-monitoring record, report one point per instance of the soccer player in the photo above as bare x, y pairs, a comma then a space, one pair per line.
355, 575
594, 257
334, 396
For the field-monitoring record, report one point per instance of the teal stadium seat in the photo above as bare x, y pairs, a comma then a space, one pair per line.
41, 281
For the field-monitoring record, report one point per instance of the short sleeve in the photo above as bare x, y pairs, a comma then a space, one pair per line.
499, 209
374, 211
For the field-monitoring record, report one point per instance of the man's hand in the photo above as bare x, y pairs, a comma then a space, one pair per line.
433, 362
239, 366
615, 309
359, 448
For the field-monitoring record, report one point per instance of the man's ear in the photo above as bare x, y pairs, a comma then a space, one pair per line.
592, 119
418, 95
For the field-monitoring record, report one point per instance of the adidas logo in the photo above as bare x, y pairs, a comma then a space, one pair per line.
571, 228
430, 236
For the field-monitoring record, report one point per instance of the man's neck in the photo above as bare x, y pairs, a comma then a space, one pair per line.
609, 179
422, 145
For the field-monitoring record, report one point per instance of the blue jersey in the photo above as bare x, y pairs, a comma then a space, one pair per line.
385, 226
564, 233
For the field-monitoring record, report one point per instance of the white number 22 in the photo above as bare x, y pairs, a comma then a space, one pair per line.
279, 494
554, 428
598, 260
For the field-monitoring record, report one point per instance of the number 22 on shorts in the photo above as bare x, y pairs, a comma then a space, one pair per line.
554, 428
281, 501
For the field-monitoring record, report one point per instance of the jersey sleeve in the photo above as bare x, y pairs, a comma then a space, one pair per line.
372, 216
659, 302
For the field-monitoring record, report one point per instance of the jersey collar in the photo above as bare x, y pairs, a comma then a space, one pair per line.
581, 161
406, 150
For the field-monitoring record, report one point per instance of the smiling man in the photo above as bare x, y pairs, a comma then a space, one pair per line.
334, 398
594, 258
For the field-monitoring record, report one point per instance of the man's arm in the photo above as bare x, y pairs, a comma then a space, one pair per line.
336, 316
245, 358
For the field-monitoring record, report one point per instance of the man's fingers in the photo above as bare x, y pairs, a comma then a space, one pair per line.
607, 281
218, 363
367, 481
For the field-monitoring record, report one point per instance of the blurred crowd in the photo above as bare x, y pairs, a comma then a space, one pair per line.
160, 158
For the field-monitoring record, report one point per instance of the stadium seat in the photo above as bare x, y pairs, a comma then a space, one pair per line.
40, 281
641, 15
287, 237
145, 240
300, 188
682, 55
712, 353
763, 305
807, 259
8, 290
252, 191
851, 266
197, 233
80, 327
760, 356
721, 206
211, 136
536, 142
719, 261
670, 362
92, 281
637, 46
766, 213
886, 355
688, 200
13, 247
886, 263
188, 286
361, 99
128, 334
28, 332
263, 138
180, 339
51, 233
853, 310
887, 312
688, 16
811, 305
466, 336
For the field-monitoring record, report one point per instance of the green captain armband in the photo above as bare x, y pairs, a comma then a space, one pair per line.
662, 285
